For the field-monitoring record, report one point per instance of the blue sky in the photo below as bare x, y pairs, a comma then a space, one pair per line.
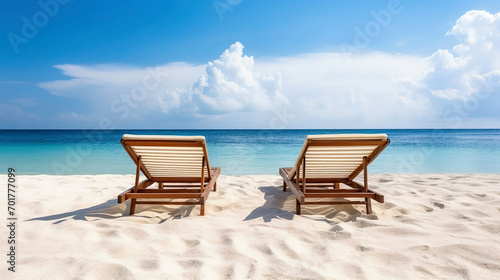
249, 64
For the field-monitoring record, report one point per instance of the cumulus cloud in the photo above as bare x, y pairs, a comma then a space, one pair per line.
229, 84
463, 71
464, 81
171, 100
315, 90
368, 90
174, 91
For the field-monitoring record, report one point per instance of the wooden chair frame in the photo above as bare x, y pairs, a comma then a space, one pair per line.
308, 191
170, 189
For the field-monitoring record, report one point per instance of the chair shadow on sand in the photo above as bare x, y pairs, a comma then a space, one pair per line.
106, 210
281, 205
277, 205
111, 210
274, 206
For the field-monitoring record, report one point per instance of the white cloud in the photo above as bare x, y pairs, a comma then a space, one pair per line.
229, 84
120, 93
171, 100
459, 73
469, 73
108, 81
368, 90
70, 87
321, 90
479, 28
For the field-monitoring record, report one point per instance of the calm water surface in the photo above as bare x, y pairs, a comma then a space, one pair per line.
242, 152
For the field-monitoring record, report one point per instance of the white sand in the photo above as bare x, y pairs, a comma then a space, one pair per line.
432, 226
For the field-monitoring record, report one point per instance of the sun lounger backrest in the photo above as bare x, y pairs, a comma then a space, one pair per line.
338, 155
169, 157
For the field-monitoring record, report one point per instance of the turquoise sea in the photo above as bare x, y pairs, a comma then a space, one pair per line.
243, 152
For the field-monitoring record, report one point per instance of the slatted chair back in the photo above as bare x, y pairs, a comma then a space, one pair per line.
169, 158
340, 156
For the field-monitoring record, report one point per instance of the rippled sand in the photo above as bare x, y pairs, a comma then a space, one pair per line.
432, 226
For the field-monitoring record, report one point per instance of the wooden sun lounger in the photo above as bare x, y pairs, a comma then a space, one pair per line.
178, 164
327, 161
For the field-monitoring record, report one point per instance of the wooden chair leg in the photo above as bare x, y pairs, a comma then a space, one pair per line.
160, 186
132, 206
368, 205
215, 187
284, 186
202, 210
297, 207
336, 186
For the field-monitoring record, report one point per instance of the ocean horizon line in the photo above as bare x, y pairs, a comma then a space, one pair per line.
249, 151
211, 129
